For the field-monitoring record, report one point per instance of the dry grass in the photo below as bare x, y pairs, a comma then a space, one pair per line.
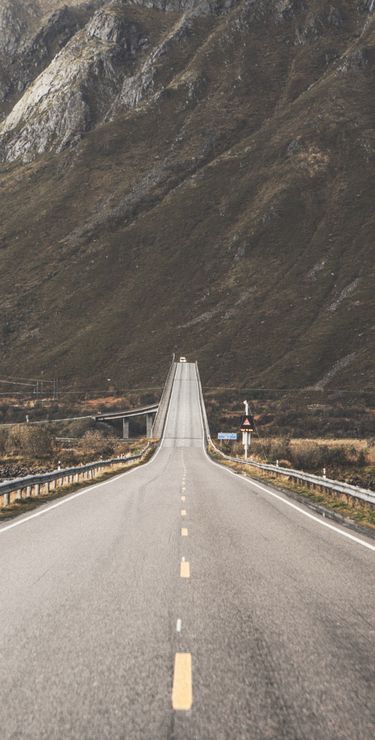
340, 458
350, 508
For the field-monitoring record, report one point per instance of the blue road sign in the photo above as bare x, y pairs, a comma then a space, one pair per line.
227, 435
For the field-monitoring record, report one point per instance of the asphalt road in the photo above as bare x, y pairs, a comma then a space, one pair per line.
269, 612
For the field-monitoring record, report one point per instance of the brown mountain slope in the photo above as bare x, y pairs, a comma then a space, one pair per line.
199, 181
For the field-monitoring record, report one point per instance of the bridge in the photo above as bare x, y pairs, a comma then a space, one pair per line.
149, 412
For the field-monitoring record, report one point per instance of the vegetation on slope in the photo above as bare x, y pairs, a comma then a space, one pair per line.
225, 212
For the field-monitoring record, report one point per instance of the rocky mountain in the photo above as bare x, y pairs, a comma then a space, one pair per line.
188, 175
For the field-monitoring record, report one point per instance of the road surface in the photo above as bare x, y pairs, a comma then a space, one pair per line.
181, 601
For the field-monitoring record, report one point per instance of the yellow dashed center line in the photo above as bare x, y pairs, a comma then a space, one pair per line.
184, 569
182, 693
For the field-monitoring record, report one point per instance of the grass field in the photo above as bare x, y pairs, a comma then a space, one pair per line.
350, 460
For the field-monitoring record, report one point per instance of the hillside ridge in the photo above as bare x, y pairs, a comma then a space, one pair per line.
191, 176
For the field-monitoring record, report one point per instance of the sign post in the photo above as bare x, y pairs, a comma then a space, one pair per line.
247, 426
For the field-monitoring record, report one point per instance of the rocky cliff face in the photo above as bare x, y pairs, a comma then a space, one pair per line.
220, 152
94, 60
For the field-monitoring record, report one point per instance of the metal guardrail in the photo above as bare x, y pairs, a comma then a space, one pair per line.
31, 485
300, 476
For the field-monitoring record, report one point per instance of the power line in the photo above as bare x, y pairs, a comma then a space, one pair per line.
27, 380
286, 390
17, 382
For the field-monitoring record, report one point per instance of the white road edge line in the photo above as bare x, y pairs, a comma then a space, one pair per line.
251, 482
68, 498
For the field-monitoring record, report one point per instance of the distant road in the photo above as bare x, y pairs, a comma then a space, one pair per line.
97, 416
47, 421
181, 576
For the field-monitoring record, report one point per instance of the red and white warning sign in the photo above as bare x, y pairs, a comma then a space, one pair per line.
247, 424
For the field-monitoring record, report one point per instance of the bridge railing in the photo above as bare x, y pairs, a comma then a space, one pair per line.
32, 486
320, 482
158, 426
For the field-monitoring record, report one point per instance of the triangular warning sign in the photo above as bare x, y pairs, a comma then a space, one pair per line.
247, 424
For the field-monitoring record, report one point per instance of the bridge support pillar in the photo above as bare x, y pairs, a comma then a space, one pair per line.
149, 425
125, 428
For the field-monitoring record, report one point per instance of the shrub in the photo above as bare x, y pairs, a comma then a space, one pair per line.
31, 441
93, 443
68, 458
3, 441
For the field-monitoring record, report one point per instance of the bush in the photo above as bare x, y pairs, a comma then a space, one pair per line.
3, 441
93, 443
68, 458
30, 441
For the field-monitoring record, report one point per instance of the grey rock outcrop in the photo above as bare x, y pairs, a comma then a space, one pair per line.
101, 67
75, 90
17, 19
